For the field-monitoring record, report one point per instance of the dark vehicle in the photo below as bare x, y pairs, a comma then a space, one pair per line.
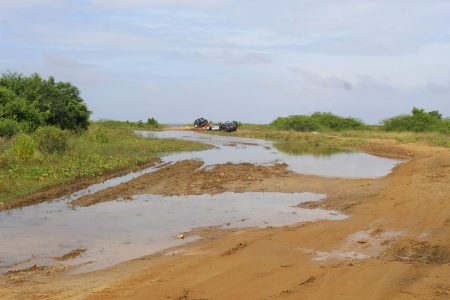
200, 123
228, 126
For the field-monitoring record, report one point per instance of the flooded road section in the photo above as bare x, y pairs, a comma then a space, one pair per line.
343, 163
108, 233
117, 231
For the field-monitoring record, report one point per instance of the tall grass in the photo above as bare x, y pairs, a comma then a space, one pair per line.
335, 138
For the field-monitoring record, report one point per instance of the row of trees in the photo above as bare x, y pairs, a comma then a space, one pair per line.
418, 121
29, 102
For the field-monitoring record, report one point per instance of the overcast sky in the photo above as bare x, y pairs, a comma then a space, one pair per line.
247, 60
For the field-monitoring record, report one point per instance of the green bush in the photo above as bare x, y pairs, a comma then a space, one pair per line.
317, 121
51, 139
8, 128
38, 101
418, 121
98, 135
24, 147
335, 122
297, 123
152, 123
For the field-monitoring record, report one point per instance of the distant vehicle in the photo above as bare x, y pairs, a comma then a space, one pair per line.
200, 123
229, 126
213, 128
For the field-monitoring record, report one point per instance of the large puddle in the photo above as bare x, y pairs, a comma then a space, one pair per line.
345, 164
117, 231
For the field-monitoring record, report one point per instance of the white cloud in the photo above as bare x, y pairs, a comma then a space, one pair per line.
151, 87
312, 78
62, 61
147, 3
237, 58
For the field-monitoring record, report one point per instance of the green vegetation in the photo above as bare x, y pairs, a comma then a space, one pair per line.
419, 127
23, 148
51, 139
418, 121
51, 156
29, 102
151, 124
430, 138
9, 128
317, 122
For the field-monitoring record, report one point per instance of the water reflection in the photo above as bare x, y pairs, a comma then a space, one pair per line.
315, 150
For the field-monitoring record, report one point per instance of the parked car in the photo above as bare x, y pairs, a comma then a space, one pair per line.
200, 123
228, 126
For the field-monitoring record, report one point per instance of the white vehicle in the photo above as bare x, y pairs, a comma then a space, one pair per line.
213, 128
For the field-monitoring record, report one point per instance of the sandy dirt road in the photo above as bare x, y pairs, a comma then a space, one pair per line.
394, 245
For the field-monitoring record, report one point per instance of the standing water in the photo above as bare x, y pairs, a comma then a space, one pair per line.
122, 230
345, 164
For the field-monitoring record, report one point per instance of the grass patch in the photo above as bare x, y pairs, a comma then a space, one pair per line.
428, 138
103, 148
345, 138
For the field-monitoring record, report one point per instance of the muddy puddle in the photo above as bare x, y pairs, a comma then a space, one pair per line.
329, 163
117, 231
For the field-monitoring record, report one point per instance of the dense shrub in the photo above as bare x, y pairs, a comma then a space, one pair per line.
152, 122
419, 121
51, 139
98, 134
335, 122
298, 123
8, 127
37, 101
24, 147
317, 121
